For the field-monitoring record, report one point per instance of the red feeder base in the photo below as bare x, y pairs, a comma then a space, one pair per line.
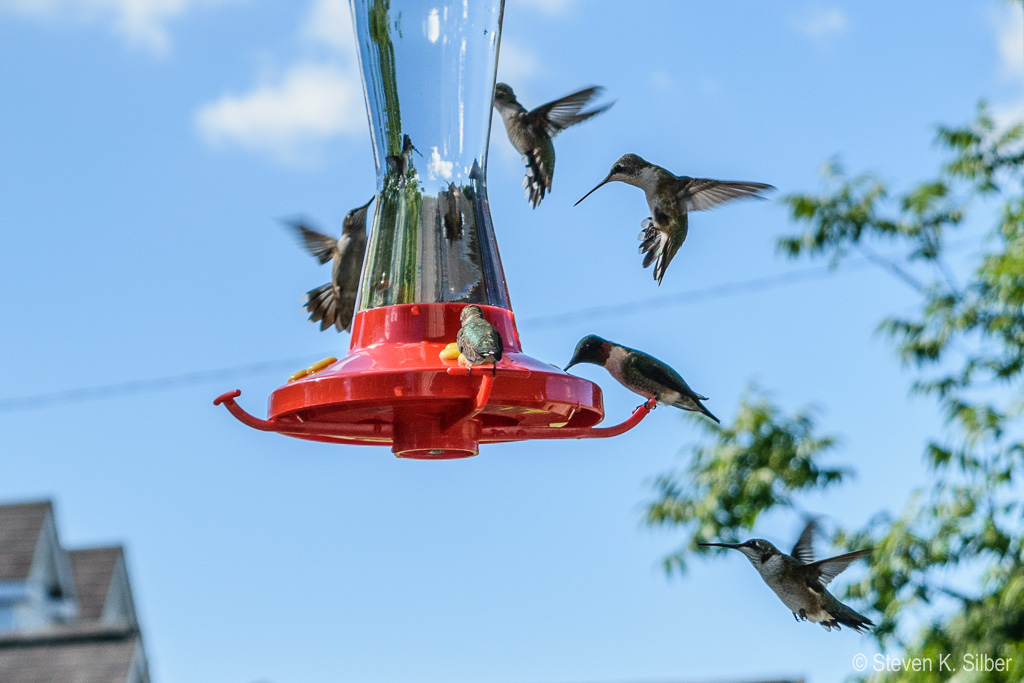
394, 389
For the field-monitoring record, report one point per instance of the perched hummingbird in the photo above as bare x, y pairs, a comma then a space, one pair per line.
478, 341
670, 198
639, 372
800, 582
334, 303
399, 163
530, 132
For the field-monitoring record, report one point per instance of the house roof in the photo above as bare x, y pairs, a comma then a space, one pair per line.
20, 526
103, 643
93, 569
83, 654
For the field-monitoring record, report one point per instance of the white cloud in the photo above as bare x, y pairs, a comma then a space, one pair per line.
516, 63
437, 168
820, 23
434, 25
142, 23
1009, 26
291, 117
288, 119
330, 23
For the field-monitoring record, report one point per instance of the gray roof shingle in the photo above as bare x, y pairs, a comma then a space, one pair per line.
20, 526
94, 570
72, 655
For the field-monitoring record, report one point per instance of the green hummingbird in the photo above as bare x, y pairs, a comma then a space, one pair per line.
477, 339
399, 163
639, 372
800, 582
530, 132
670, 199
334, 303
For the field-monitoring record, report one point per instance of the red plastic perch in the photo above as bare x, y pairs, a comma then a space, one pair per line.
338, 433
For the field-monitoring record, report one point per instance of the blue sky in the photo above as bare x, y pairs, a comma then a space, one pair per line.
149, 148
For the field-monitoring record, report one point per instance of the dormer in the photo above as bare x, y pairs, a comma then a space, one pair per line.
37, 588
101, 580
64, 616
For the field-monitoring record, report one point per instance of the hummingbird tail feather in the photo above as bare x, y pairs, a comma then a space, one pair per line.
847, 617
705, 411
838, 613
322, 305
648, 237
538, 178
658, 247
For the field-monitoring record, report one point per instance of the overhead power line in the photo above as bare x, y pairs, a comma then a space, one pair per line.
691, 296
725, 289
141, 386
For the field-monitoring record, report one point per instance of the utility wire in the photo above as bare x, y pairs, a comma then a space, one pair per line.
725, 289
140, 386
710, 292
157, 384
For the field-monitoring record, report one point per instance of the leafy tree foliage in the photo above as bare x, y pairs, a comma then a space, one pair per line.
748, 467
965, 346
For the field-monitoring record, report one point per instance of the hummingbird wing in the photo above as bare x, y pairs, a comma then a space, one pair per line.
316, 243
478, 340
642, 366
699, 194
647, 375
820, 573
803, 551
554, 117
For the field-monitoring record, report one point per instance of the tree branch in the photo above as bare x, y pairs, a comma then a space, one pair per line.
886, 264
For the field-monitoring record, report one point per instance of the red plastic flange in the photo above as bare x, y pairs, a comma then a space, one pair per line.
394, 389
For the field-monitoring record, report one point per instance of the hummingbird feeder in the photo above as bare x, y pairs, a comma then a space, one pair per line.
428, 71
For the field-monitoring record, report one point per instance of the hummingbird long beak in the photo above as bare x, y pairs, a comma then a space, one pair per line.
571, 363
734, 546
417, 151
360, 211
606, 180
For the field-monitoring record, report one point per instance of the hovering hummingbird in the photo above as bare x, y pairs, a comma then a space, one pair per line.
478, 341
670, 199
639, 372
334, 303
800, 582
530, 132
399, 163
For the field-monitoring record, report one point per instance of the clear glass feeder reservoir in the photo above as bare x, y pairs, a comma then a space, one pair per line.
428, 73
428, 70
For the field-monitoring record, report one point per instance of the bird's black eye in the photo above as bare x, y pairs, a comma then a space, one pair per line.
616, 169
750, 544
